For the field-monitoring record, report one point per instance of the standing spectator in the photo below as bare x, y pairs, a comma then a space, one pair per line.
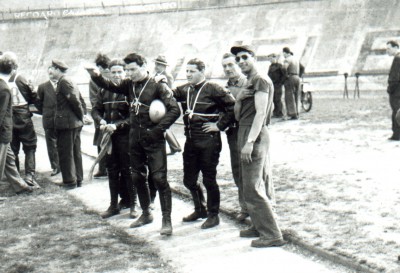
68, 122
253, 110
46, 104
8, 167
236, 81
392, 49
146, 139
111, 111
23, 130
160, 68
102, 62
277, 74
208, 110
292, 84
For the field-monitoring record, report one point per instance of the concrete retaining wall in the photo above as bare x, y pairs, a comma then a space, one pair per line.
330, 37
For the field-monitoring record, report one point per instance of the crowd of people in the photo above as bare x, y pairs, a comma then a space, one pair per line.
121, 93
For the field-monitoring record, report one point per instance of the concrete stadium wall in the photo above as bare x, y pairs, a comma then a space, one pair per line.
330, 37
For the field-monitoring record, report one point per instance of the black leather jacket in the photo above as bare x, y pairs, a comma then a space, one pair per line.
139, 117
214, 104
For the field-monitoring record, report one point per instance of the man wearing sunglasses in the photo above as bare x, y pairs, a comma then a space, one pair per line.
208, 109
253, 110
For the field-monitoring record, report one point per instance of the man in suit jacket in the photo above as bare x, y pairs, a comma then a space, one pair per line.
392, 48
68, 123
46, 104
8, 167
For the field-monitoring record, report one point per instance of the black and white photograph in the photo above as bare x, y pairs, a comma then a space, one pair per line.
194, 136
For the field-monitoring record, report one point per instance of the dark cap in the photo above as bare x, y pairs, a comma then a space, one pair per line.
247, 48
59, 64
161, 60
287, 50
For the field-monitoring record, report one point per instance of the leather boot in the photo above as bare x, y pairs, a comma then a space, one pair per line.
30, 179
111, 211
144, 219
113, 180
166, 208
200, 210
212, 221
30, 161
132, 193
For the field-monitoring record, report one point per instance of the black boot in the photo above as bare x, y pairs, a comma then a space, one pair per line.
111, 211
212, 221
200, 210
144, 219
166, 208
113, 180
30, 161
132, 193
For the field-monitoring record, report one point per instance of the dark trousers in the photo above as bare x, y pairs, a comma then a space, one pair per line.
235, 164
278, 106
201, 153
155, 156
24, 133
51, 143
119, 169
394, 100
292, 95
69, 153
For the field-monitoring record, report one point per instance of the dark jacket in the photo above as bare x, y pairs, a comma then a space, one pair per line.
113, 108
394, 76
277, 73
152, 91
46, 104
6, 122
69, 110
213, 99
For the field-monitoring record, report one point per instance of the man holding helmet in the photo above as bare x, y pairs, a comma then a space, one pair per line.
146, 139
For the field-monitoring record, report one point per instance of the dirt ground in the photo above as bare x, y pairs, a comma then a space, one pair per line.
336, 178
335, 175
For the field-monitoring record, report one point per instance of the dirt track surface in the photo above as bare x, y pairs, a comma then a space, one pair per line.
335, 174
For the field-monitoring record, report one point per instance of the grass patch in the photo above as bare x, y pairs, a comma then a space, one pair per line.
49, 231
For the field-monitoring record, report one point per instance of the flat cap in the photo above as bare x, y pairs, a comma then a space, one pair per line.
247, 48
161, 60
59, 64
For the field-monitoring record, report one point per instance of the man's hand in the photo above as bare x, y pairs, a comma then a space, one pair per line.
210, 127
245, 155
244, 94
92, 70
161, 78
103, 122
110, 128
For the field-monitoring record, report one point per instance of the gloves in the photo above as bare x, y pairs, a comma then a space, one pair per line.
161, 78
111, 128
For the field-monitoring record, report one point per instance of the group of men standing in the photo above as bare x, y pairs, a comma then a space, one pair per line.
121, 110
208, 109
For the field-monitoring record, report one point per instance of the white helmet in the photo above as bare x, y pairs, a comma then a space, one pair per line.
157, 111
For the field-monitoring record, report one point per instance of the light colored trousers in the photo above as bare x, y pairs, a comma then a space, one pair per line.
8, 169
253, 176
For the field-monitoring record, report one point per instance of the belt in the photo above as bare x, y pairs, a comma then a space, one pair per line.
292, 74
